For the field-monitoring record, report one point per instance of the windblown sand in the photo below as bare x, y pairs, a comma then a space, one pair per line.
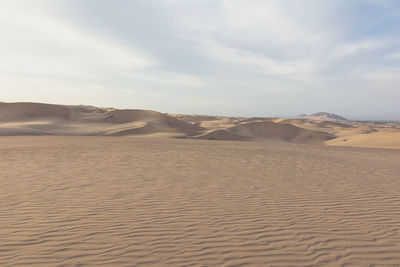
123, 201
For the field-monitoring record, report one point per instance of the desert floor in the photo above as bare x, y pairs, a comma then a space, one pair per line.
131, 201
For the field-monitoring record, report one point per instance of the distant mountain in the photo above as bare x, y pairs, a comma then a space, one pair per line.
321, 116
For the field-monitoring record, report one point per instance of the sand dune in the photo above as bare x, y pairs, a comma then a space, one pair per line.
48, 119
32, 111
334, 124
273, 130
119, 201
222, 135
257, 129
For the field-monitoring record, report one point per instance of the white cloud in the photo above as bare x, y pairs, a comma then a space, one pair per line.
38, 41
295, 69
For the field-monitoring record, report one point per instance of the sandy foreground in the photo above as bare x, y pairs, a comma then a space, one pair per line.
124, 201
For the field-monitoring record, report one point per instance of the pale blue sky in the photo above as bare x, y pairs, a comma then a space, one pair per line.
246, 58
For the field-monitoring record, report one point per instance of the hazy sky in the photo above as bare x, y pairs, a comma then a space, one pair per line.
249, 57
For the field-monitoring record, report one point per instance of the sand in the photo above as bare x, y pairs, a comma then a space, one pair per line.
49, 119
133, 201
375, 139
27, 119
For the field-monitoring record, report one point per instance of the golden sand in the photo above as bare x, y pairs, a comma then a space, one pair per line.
130, 201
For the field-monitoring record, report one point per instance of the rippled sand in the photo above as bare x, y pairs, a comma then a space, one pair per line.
121, 201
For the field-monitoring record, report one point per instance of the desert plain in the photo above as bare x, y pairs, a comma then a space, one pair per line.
86, 186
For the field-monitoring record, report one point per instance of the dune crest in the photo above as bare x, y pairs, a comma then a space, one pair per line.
49, 119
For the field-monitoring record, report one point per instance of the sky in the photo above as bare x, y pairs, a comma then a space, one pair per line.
217, 57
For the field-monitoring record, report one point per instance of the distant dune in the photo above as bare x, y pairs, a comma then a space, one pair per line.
285, 132
48, 119
81, 120
222, 135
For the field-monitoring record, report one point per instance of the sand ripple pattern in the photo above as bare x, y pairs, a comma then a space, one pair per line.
87, 201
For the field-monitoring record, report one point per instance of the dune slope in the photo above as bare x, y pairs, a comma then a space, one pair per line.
272, 130
222, 135
48, 119
374, 139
